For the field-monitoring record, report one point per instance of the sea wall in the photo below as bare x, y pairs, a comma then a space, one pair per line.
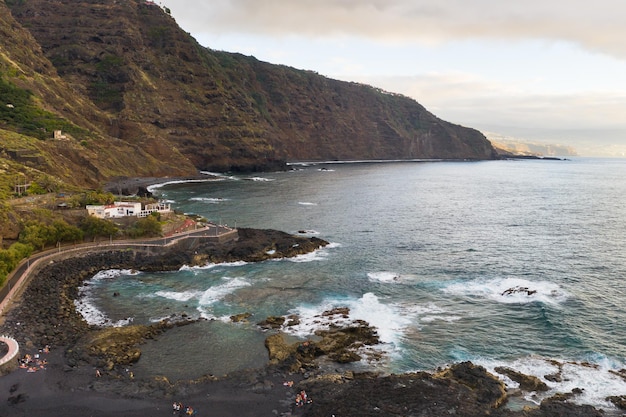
9, 363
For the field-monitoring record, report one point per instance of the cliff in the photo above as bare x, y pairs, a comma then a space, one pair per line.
137, 96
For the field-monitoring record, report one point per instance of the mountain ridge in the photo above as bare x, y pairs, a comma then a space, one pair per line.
147, 100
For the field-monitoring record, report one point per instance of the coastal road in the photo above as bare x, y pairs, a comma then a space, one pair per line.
19, 276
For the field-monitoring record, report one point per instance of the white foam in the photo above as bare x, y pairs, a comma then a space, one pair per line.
260, 179
206, 314
510, 290
85, 303
306, 203
383, 276
159, 319
430, 313
212, 200
212, 265
218, 292
387, 319
317, 255
596, 380
154, 187
110, 274
178, 296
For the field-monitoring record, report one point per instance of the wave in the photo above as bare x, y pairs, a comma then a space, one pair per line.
217, 293
177, 296
86, 305
212, 200
317, 255
212, 265
219, 175
430, 313
510, 291
358, 161
259, 179
383, 276
110, 274
96, 317
154, 187
306, 203
597, 380
387, 319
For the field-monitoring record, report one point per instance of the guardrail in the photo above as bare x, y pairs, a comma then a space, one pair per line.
8, 362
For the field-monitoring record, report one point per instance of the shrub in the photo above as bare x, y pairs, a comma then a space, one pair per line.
9, 258
94, 227
19, 112
145, 227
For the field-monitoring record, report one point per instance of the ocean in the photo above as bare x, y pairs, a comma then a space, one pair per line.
517, 263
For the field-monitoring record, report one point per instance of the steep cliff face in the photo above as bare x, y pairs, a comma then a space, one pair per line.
34, 101
128, 74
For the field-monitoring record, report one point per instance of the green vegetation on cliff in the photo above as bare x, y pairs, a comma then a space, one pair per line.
134, 95
22, 113
156, 103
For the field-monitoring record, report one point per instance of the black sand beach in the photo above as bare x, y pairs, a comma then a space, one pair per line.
61, 391
45, 315
69, 386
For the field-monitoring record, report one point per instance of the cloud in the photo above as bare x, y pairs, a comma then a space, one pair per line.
595, 25
474, 101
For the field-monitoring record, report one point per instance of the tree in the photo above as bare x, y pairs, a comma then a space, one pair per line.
36, 234
95, 227
9, 258
146, 227
64, 232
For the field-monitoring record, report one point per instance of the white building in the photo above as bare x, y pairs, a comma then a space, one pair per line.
57, 134
126, 209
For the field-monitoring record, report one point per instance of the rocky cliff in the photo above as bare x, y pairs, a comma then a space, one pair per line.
136, 95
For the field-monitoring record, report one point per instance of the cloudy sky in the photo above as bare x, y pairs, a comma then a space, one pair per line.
551, 71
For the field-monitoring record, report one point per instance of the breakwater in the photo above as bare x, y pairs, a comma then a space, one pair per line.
19, 277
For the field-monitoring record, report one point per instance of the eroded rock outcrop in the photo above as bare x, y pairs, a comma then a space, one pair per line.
526, 382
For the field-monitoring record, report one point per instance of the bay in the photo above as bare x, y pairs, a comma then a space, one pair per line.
512, 263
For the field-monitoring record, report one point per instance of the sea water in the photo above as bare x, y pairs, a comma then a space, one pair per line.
504, 263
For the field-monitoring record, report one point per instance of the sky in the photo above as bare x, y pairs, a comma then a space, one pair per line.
546, 71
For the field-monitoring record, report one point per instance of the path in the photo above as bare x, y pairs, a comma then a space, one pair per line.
16, 279
13, 350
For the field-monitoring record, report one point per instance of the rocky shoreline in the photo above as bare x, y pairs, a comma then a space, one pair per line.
46, 316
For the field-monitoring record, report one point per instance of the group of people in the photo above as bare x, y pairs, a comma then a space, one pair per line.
183, 410
302, 398
34, 363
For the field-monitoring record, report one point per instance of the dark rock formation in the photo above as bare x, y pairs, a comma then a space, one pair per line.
46, 314
240, 317
463, 390
526, 382
519, 290
618, 400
